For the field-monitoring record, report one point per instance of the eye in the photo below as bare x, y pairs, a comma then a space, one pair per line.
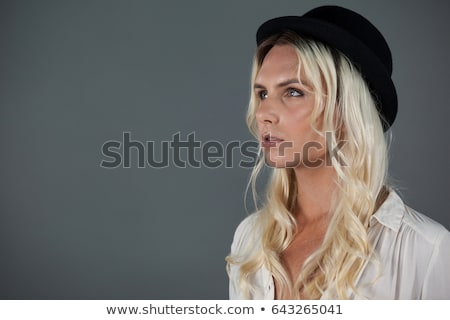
295, 92
262, 94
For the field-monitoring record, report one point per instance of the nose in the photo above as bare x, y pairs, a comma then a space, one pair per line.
266, 112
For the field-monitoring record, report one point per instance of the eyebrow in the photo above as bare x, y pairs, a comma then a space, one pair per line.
281, 84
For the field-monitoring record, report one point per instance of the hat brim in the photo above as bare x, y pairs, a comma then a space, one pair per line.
370, 66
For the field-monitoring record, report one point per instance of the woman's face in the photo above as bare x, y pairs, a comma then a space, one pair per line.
284, 106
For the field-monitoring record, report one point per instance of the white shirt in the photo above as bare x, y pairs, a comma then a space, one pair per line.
413, 250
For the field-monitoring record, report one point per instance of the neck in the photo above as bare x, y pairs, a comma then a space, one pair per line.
315, 189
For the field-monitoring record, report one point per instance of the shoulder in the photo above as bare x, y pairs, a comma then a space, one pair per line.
430, 241
401, 229
405, 222
246, 231
424, 228
413, 251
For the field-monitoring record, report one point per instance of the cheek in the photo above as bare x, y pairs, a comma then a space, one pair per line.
299, 112
298, 124
304, 136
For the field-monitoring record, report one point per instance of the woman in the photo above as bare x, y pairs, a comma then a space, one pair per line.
331, 226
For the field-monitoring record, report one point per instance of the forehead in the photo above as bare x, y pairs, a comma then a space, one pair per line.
281, 61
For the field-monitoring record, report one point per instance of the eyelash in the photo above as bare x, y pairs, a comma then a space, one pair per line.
300, 93
261, 93
289, 92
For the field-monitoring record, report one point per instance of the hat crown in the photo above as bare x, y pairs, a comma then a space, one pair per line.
358, 26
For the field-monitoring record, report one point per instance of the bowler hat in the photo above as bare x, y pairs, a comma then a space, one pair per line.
354, 36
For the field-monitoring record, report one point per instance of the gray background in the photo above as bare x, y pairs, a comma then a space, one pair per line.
76, 74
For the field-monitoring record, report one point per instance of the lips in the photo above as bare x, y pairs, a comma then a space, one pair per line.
268, 140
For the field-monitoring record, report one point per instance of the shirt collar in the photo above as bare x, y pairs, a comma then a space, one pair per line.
390, 213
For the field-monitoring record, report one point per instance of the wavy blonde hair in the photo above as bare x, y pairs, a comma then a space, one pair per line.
346, 111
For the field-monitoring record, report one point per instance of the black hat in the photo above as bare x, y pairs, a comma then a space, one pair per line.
354, 36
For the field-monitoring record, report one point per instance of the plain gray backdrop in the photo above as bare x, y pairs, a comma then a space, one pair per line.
75, 74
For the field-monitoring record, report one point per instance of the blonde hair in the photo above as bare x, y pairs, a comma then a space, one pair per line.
347, 112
